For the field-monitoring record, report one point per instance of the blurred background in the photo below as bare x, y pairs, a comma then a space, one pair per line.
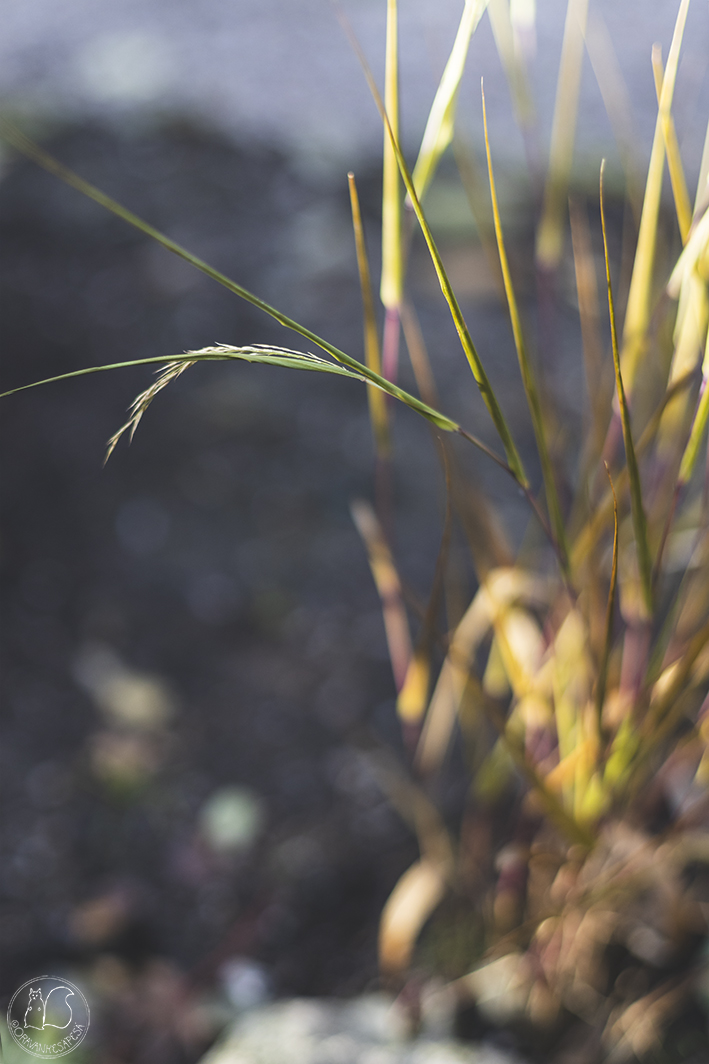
196, 689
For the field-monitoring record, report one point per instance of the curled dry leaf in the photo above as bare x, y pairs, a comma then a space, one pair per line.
412, 901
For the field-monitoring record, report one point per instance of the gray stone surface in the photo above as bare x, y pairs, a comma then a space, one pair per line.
282, 70
366, 1030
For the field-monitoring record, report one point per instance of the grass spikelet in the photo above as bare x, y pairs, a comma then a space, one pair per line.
141, 403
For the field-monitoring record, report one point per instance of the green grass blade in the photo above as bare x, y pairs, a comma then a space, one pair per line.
550, 235
481, 378
377, 403
636, 502
525, 364
637, 313
438, 133
392, 261
27, 147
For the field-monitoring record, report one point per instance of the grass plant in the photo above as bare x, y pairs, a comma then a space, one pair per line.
576, 680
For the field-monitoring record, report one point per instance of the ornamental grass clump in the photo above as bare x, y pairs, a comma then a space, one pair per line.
572, 897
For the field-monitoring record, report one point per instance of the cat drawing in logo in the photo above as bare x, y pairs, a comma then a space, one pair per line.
41, 1014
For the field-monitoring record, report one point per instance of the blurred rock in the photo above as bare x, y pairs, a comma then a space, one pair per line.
367, 1030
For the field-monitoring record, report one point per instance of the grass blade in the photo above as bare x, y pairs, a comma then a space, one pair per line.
637, 313
525, 365
274, 356
377, 402
27, 147
386, 579
438, 133
550, 235
683, 206
636, 502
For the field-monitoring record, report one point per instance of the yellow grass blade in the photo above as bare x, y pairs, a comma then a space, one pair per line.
525, 365
688, 283
550, 235
377, 402
386, 578
636, 503
497, 593
683, 206
392, 264
637, 313
414, 898
438, 133
701, 200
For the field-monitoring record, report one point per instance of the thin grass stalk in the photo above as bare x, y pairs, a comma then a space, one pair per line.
637, 314
683, 206
481, 378
608, 638
636, 502
475, 190
550, 235
418, 355
377, 403
525, 365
